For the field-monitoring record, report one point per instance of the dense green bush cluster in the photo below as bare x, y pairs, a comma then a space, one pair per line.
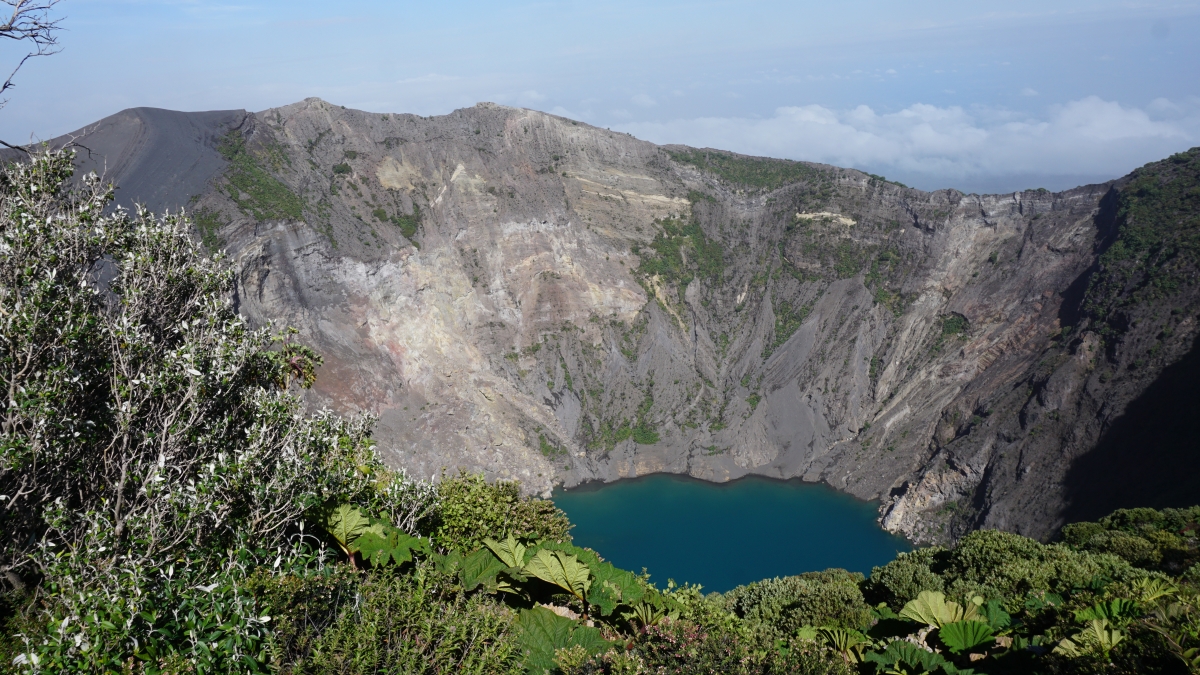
829, 598
168, 507
472, 509
1167, 540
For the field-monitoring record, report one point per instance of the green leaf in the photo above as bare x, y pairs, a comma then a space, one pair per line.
963, 636
1098, 637
1113, 611
381, 544
848, 643
933, 609
993, 612
345, 523
480, 568
447, 564
561, 569
902, 656
611, 586
510, 551
542, 632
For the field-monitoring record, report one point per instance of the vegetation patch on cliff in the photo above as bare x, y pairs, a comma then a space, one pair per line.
1157, 244
252, 187
754, 172
680, 252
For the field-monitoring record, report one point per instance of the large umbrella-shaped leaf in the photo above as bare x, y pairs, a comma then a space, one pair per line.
481, 567
345, 523
510, 551
907, 655
933, 609
963, 636
561, 569
541, 632
611, 586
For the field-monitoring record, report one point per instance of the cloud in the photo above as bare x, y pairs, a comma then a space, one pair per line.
1029, 91
1087, 137
530, 98
644, 100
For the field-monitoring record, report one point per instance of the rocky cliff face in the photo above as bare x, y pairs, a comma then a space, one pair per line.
528, 296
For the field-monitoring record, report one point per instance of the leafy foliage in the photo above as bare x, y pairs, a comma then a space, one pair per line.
905, 657
830, 598
408, 224
1166, 540
962, 636
906, 576
344, 523
561, 569
510, 551
381, 544
472, 509
931, 608
787, 321
543, 632
680, 252
610, 587
416, 623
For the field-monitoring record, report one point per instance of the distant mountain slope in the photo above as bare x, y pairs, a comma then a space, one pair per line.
529, 296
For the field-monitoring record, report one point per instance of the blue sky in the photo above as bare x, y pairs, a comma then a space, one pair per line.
981, 96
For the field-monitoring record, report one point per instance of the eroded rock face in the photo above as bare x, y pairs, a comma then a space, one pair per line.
531, 297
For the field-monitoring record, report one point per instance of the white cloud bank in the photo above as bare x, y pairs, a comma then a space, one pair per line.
941, 147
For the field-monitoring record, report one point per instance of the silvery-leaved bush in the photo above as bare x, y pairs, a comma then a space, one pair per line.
153, 451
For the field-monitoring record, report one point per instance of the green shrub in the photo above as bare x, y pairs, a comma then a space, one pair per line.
342, 168
408, 224
1166, 541
471, 509
830, 598
904, 578
154, 456
301, 605
645, 434
1079, 535
684, 647
1004, 565
1192, 575
416, 623
955, 324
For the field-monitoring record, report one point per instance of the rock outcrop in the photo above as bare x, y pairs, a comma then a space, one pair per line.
529, 296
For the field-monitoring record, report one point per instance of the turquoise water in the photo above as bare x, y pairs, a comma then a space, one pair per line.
724, 535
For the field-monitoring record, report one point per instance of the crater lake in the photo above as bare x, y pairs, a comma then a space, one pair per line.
721, 535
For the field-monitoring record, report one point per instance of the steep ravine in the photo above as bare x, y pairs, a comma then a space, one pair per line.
532, 297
